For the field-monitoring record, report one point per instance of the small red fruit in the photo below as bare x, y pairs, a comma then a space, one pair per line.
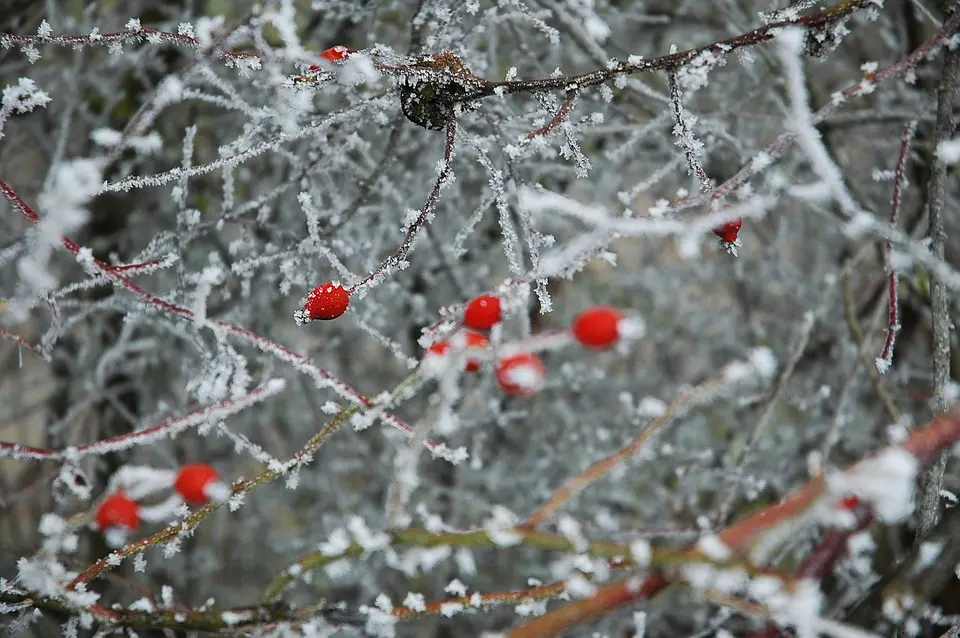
336, 53
327, 301
597, 327
471, 340
482, 312
521, 374
118, 510
194, 481
729, 231
850, 502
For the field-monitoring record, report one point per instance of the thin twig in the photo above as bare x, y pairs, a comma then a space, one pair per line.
398, 259
893, 315
856, 333
562, 115
702, 393
803, 338
692, 149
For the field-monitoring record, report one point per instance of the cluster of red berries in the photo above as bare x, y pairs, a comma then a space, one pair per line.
518, 374
196, 484
523, 373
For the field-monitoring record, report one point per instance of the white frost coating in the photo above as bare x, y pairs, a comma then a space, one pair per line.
62, 209
450, 609
358, 69
163, 511
115, 536
526, 376
22, 97
579, 587
206, 30
800, 120
737, 371
456, 588
235, 618
383, 603
948, 151
713, 548
761, 363
764, 362
339, 569
929, 552
379, 623
698, 575
730, 581
632, 327
415, 601
500, 527
651, 407
531, 608
640, 552
882, 364
139, 481
337, 543
826, 627
142, 604
570, 529
799, 608
368, 540
466, 564
885, 482
859, 225
217, 491
860, 548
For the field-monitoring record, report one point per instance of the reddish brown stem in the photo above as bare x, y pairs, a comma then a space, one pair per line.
607, 598
12, 336
397, 259
563, 113
893, 314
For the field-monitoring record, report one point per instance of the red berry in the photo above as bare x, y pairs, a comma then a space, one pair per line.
729, 231
335, 53
597, 327
521, 374
471, 340
482, 312
118, 510
193, 482
327, 301
440, 348
849, 502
